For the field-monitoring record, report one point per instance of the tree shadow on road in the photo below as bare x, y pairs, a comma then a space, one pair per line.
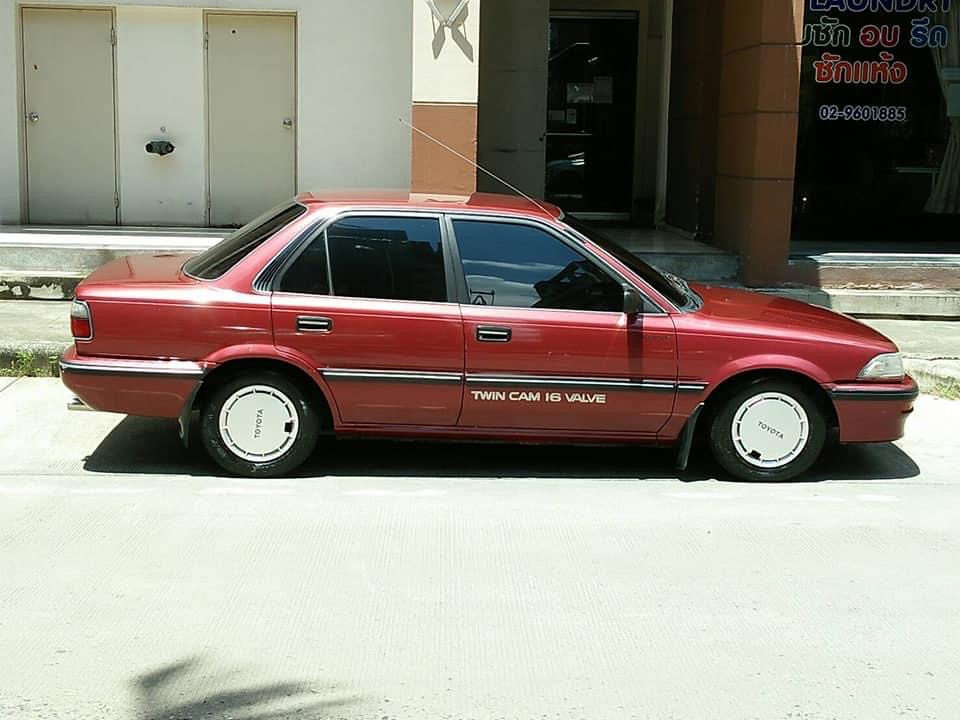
190, 689
149, 446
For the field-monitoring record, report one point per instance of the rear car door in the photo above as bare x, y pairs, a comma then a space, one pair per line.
367, 300
548, 345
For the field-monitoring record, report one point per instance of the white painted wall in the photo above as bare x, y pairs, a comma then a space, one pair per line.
445, 60
354, 79
160, 96
10, 112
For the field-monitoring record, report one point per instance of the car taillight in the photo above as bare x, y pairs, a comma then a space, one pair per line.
81, 327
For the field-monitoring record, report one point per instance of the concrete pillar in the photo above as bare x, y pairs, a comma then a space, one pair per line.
757, 134
513, 94
445, 78
694, 91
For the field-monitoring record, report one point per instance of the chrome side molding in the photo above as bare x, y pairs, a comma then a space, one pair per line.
111, 366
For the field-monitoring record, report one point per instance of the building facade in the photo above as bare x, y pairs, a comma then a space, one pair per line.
751, 125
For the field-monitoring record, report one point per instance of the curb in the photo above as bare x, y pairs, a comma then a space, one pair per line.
43, 356
934, 376
877, 302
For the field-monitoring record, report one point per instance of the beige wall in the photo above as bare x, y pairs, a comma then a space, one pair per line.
160, 85
11, 112
445, 60
354, 80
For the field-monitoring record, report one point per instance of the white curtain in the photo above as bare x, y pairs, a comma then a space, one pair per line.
945, 197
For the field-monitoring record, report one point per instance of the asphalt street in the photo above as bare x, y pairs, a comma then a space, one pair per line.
409, 580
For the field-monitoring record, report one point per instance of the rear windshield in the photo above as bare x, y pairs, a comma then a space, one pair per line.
212, 263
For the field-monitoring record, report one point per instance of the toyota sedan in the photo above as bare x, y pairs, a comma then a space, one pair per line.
482, 318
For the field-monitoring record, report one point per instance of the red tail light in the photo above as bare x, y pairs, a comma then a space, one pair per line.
81, 325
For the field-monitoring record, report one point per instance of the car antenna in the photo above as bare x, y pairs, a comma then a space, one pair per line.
463, 157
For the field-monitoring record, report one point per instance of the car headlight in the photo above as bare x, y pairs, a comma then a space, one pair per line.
888, 366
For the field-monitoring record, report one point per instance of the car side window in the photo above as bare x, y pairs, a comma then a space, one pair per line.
308, 273
385, 258
516, 265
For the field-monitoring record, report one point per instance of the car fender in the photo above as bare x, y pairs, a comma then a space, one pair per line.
752, 363
272, 352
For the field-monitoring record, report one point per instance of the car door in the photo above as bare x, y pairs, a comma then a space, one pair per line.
548, 345
367, 300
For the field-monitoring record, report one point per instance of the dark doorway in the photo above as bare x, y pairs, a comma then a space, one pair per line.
591, 109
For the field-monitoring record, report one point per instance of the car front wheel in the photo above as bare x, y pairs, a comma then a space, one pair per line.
259, 425
770, 430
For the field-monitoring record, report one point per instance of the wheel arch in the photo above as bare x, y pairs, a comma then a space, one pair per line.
227, 366
734, 382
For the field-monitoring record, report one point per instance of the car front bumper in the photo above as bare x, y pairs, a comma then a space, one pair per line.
149, 388
873, 412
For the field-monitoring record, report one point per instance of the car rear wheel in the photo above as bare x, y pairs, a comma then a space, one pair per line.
770, 430
259, 425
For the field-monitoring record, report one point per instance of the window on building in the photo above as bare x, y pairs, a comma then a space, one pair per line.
879, 126
389, 258
515, 265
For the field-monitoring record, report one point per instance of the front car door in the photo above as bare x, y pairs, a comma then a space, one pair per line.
367, 300
548, 346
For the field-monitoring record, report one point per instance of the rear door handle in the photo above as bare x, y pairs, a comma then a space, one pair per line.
486, 333
314, 324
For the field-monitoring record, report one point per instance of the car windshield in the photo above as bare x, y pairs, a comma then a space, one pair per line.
213, 263
675, 289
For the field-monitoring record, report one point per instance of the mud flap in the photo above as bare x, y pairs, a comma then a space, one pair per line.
686, 438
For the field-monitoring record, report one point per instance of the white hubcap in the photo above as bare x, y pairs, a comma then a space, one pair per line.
770, 430
259, 423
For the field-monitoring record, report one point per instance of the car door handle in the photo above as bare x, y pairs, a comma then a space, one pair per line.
486, 333
314, 324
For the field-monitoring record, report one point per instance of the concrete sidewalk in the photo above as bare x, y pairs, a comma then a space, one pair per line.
47, 263
42, 329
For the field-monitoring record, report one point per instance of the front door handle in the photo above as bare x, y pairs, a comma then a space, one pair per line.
314, 324
487, 333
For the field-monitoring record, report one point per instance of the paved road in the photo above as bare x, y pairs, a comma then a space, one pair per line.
413, 581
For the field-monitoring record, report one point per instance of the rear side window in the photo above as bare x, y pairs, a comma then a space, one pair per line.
387, 258
309, 274
213, 263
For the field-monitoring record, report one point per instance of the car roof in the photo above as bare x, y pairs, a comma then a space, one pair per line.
477, 202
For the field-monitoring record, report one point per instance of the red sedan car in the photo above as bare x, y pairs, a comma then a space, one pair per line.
487, 318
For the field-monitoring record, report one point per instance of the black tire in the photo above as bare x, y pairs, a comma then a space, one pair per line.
301, 437
729, 452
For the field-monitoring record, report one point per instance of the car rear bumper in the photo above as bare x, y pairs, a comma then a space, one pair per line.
150, 388
873, 412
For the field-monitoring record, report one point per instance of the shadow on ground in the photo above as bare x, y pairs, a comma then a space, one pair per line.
143, 445
192, 689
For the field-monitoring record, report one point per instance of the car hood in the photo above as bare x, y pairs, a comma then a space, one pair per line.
157, 268
785, 317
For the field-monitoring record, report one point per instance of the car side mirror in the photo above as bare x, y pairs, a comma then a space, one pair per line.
632, 301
